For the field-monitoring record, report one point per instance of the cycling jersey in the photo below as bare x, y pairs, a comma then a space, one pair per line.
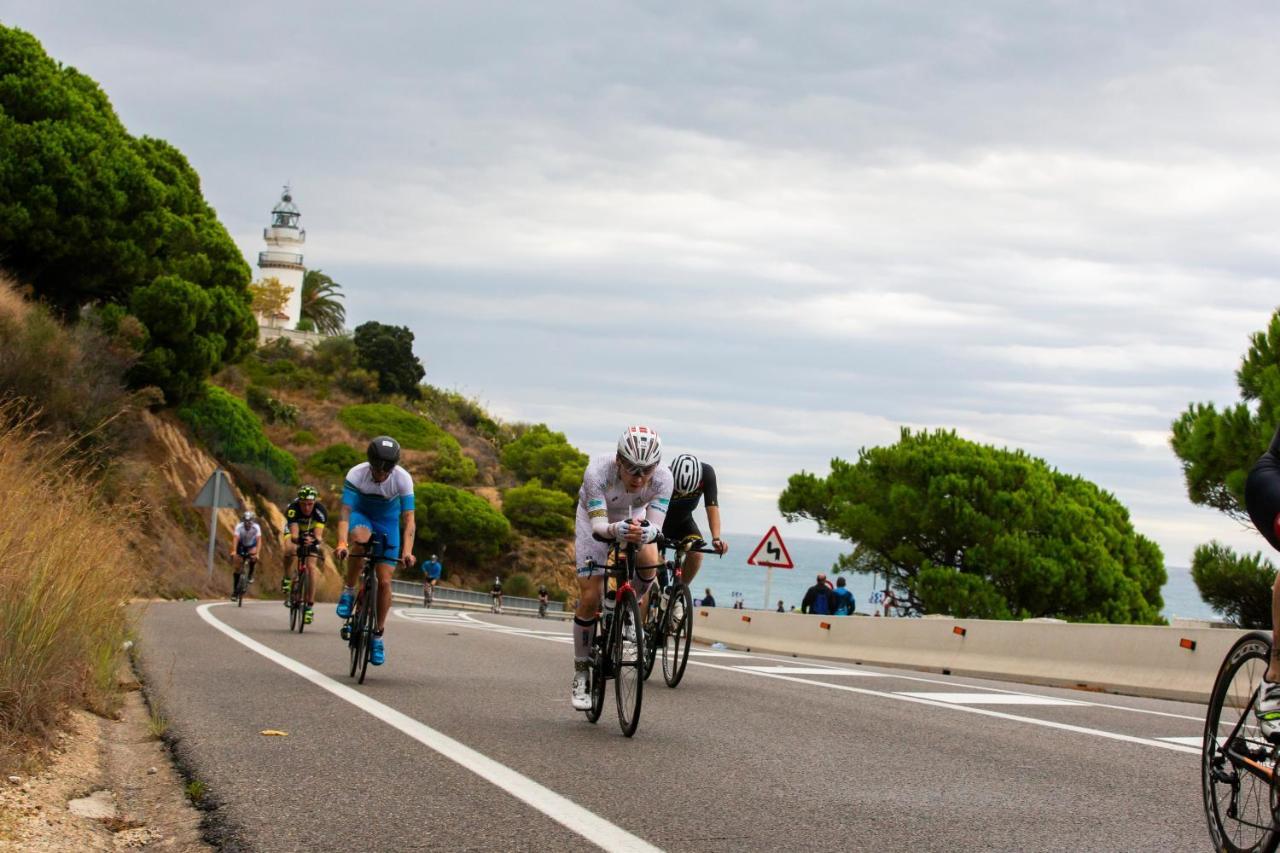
306, 523
1262, 492
680, 523
432, 569
377, 506
246, 535
604, 499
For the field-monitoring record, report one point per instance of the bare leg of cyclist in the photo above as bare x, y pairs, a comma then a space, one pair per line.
1273, 670
689, 571
384, 594
648, 556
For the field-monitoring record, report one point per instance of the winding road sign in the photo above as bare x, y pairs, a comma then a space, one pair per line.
771, 553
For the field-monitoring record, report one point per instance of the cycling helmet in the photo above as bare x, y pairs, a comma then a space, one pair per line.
640, 447
383, 453
247, 517
686, 471
307, 493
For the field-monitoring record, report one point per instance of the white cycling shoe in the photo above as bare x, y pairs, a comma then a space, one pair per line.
1268, 709
581, 698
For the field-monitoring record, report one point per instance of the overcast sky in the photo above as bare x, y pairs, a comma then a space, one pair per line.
777, 231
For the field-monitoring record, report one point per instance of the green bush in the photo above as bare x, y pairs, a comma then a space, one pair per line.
336, 354
466, 523
305, 437
273, 410
543, 512
388, 352
414, 432
546, 456
234, 433
519, 584
359, 383
335, 460
452, 407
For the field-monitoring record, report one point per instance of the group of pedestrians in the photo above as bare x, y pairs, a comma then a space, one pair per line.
823, 599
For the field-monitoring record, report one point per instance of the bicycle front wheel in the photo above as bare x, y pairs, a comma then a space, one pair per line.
628, 662
653, 638
677, 636
304, 593
370, 623
1237, 761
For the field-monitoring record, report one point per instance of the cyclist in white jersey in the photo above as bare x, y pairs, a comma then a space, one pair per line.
618, 492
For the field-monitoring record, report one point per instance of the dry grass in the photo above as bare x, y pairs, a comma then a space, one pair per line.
64, 580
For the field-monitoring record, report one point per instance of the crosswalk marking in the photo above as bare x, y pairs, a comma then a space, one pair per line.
989, 698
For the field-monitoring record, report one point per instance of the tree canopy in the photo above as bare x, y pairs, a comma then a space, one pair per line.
971, 530
320, 305
547, 456
89, 213
388, 352
1217, 449
464, 523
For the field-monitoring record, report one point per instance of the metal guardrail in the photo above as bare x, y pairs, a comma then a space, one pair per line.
466, 596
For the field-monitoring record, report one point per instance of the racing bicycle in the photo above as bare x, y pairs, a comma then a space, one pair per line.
669, 625
617, 647
1238, 766
359, 628
300, 584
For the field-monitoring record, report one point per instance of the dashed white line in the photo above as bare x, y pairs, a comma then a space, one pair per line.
564, 811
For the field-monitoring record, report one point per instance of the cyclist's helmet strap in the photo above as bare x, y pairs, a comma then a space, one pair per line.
383, 453
640, 446
686, 474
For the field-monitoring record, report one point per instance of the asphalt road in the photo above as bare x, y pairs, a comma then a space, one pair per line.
465, 740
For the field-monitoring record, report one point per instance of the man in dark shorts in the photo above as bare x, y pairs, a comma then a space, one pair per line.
1262, 500
306, 518
693, 481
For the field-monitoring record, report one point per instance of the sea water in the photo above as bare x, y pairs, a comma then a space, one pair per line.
730, 577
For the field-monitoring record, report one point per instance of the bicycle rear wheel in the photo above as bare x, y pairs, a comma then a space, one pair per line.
677, 635
628, 662
369, 624
653, 637
1236, 760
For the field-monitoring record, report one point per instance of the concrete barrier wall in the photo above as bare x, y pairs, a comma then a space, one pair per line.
1134, 659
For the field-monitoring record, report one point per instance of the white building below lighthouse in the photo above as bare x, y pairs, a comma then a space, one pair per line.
282, 259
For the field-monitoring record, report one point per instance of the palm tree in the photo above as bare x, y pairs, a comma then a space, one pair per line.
320, 305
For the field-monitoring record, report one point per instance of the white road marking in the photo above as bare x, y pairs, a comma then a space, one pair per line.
564, 811
969, 709
812, 670
1193, 740
991, 698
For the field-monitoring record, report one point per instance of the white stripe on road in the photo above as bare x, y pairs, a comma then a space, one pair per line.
812, 670
1193, 740
569, 814
992, 698
1067, 727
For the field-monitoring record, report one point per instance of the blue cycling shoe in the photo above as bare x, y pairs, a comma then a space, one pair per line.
377, 654
345, 602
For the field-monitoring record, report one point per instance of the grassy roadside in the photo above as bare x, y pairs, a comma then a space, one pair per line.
65, 576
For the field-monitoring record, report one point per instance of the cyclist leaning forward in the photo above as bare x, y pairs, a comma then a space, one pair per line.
248, 541
618, 493
305, 517
376, 498
693, 481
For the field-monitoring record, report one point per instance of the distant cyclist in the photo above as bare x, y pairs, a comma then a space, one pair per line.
543, 599
1262, 499
306, 517
618, 493
431, 571
247, 542
692, 481
377, 497
495, 593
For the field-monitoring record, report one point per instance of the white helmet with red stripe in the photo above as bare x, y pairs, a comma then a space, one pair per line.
640, 447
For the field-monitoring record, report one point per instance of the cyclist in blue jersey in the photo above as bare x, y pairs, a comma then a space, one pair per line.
377, 497
431, 571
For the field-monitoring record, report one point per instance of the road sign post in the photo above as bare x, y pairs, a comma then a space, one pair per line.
216, 494
772, 554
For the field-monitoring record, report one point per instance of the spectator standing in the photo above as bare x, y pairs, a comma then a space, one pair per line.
708, 600
843, 601
817, 599
780, 607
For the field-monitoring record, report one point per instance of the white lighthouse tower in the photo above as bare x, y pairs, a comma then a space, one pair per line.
283, 258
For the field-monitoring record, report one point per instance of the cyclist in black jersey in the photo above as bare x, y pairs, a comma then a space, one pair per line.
1262, 500
305, 516
693, 481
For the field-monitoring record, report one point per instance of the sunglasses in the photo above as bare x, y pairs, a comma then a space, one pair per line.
639, 472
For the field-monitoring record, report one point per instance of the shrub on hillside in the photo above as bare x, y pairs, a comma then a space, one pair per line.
452, 407
542, 512
467, 524
414, 432
72, 375
519, 584
271, 409
388, 352
305, 438
546, 456
335, 460
63, 596
234, 433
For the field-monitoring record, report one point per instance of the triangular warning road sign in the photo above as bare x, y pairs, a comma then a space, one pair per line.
771, 552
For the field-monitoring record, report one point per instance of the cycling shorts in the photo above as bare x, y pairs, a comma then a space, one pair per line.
243, 550
1262, 496
389, 528
676, 528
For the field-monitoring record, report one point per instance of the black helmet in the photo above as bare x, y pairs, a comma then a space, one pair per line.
383, 453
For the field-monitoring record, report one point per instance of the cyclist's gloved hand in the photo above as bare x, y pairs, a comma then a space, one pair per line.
619, 529
648, 532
